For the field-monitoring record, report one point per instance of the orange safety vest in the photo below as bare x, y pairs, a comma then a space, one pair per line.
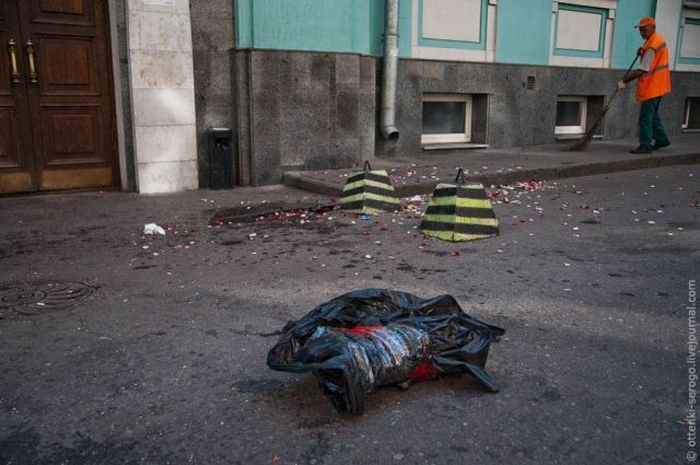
657, 81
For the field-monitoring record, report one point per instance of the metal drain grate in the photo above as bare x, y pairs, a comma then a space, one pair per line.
31, 298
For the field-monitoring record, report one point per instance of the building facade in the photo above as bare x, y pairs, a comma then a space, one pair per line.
125, 93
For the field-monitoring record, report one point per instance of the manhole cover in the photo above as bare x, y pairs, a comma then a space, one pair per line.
32, 298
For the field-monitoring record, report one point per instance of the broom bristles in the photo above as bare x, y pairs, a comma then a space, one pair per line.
582, 144
579, 146
586, 139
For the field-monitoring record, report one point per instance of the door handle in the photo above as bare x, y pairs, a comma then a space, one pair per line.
14, 73
33, 76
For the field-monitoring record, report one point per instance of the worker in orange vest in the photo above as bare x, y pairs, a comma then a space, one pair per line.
654, 82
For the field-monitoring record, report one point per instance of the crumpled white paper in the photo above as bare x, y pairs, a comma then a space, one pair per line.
152, 228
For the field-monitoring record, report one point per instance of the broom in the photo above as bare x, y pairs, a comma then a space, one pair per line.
582, 144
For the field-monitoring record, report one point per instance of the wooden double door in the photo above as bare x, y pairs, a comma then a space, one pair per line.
57, 123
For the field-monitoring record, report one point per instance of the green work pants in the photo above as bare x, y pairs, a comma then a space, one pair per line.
650, 127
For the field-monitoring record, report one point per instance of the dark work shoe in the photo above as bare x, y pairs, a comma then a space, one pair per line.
658, 146
641, 149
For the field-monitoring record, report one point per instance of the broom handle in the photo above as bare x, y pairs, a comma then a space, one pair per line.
607, 105
617, 89
633, 62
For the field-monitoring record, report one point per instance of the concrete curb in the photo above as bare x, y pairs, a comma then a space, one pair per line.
305, 181
311, 182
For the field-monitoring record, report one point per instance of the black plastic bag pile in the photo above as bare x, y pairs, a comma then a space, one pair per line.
374, 337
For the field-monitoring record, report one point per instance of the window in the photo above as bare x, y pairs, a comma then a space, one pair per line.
460, 30
571, 115
582, 33
452, 23
446, 118
689, 49
692, 114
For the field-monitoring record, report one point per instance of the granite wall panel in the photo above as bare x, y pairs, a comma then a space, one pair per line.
214, 76
313, 111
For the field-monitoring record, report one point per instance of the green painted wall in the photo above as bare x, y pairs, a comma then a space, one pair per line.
405, 27
357, 26
626, 38
243, 16
523, 31
353, 26
376, 28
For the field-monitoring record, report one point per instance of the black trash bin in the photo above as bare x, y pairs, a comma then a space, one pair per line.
222, 162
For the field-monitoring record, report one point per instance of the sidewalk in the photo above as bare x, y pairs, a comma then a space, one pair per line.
412, 176
316, 189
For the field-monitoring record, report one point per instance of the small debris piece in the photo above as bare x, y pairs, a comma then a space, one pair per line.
152, 228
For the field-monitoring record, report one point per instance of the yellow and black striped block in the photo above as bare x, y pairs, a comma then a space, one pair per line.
370, 193
460, 212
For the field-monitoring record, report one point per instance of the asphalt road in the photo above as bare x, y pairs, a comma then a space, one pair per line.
120, 348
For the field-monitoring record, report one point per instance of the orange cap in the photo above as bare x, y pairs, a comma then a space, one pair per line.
646, 21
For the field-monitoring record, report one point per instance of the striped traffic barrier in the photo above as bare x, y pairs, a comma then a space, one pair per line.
459, 212
369, 192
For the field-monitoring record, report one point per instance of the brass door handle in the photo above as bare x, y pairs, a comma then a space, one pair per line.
14, 73
33, 76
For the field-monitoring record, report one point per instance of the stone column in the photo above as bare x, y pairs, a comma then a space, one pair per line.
162, 89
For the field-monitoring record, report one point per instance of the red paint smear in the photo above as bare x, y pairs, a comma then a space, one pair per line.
425, 371
361, 330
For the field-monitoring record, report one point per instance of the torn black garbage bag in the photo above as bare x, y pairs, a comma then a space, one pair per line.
373, 337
